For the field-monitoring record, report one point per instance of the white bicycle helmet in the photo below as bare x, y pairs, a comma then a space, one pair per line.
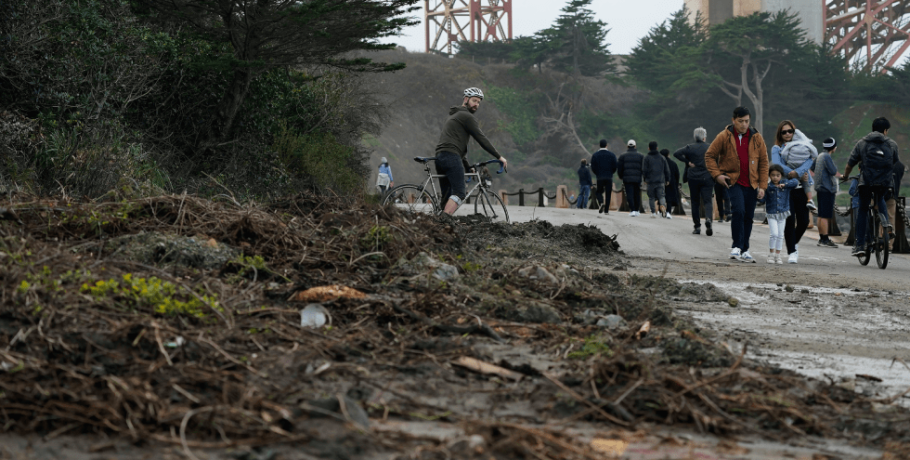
473, 92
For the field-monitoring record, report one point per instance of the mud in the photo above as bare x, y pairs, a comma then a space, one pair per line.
198, 362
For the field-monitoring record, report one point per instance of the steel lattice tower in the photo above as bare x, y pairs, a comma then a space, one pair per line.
872, 34
449, 21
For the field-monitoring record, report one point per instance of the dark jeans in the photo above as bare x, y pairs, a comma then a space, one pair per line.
604, 193
865, 201
723, 200
701, 193
742, 203
798, 221
582, 202
450, 165
633, 194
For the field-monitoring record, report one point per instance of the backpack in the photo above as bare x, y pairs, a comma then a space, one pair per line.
878, 164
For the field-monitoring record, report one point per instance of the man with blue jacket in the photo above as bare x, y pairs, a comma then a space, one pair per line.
603, 165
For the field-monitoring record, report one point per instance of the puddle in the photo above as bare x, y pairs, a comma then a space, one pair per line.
820, 333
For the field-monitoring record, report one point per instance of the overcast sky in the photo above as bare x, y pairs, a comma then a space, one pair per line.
628, 21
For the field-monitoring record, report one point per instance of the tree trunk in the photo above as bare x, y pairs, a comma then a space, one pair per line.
230, 106
758, 96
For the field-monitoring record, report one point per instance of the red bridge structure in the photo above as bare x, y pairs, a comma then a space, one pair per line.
450, 21
872, 34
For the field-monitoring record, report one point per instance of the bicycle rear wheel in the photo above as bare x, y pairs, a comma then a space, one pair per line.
491, 206
411, 199
881, 246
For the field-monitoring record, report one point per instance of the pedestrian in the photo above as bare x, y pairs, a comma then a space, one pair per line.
878, 154
672, 191
826, 190
584, 184
777, 208
452, 149
798, 221
629, 167
722, 197
655, 170
701, 186
384, 180
892, 200
797, 154
603, 165
738, 159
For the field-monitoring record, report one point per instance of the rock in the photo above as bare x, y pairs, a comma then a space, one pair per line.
465, 444
733, 302
445, 272
441, 271
160, 249
352, 410
612, 322
789, 288
546, 277
538, 313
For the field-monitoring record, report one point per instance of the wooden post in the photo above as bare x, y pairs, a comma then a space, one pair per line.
504, 197
562, 199
521, 197
541, 198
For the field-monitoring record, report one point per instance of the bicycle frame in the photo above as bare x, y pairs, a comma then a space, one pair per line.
442, 200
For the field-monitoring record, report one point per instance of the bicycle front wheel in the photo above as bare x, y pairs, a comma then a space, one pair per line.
411, 199
491, 206
881, 247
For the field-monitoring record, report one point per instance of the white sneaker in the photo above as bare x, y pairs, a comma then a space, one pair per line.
747, 258
777, 259
735, 253
654, 215
771, 258
637, 213
669, 216
632, 214
794, 258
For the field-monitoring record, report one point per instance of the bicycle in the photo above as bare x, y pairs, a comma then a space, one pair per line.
424, 198
878, 234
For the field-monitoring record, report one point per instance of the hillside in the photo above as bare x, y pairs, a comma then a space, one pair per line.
511, 116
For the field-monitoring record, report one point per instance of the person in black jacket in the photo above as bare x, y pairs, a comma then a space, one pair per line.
584, 184
673, 188
629, 169
701, 186
603, 165
655, 170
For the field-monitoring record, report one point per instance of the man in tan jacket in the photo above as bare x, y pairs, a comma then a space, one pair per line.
738, 160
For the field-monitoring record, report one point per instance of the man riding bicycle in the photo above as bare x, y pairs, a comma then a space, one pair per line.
452, 150
878, 155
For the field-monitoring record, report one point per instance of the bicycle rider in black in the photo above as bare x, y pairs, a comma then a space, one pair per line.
878, 155
452, 150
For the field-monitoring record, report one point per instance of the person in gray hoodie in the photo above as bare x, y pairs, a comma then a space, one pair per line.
656, 172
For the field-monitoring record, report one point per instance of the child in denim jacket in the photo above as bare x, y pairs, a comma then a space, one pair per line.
777, 208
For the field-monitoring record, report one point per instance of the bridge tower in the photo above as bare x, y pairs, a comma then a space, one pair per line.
871, 33
449, 21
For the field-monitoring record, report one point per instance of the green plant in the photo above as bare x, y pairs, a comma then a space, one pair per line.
162, 297
593, 345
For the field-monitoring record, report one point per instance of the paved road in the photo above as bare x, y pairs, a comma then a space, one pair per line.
671, 239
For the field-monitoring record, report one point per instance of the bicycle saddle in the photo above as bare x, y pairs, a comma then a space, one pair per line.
424, 159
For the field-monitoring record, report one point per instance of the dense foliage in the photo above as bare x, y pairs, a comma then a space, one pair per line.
116, 94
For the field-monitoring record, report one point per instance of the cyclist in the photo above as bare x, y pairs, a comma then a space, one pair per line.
878, 154
452, 150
